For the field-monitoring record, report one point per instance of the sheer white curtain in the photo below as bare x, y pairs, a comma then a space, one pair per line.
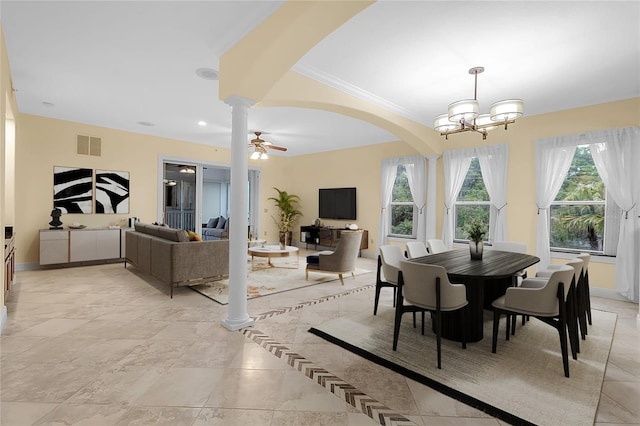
616, 154
493, 161
553, 159
388, 178
456, 165
417, 176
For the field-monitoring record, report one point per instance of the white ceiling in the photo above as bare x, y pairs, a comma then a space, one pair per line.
116, 64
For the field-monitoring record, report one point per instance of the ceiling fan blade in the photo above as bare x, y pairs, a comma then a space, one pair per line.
278, 148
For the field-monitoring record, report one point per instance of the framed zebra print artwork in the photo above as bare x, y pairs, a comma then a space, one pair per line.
112, 191
73, 189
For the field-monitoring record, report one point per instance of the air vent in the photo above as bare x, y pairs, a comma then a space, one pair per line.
89, 145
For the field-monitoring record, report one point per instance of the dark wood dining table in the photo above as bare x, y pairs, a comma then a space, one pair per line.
487, 279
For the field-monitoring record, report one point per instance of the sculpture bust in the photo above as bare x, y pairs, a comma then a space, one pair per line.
55, 219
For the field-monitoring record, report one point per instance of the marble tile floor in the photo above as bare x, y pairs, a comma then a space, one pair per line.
103, 345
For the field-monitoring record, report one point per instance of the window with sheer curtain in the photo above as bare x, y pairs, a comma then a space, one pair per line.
473, 202
403, 198
475, 185
582, 218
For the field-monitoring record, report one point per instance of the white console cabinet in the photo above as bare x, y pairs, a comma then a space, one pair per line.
54, 246
79, 245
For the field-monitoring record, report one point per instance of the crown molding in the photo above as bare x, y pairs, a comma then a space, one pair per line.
339, 84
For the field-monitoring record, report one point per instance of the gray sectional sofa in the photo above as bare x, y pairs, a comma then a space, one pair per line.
167, 255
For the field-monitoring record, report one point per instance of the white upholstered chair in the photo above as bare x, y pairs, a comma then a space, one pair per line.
423, 287
389, 258
544, 299
416, 249
436, 246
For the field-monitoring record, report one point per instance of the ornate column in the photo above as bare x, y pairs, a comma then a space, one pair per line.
237, 316
431, 196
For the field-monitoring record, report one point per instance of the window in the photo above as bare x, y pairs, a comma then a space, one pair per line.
472, 202
403, 210
577, 216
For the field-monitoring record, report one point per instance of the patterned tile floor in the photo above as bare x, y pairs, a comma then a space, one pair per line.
101, 345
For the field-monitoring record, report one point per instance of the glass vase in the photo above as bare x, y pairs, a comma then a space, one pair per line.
476, 248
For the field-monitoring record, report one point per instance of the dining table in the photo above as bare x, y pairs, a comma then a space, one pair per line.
485, 280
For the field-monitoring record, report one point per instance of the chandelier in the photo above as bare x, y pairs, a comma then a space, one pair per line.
464, 115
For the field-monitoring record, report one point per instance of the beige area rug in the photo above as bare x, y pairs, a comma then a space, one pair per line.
523, 383
285, 274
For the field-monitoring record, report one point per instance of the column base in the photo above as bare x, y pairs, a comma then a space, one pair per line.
235, 325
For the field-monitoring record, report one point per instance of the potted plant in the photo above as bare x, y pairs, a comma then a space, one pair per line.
288, 214
476, 231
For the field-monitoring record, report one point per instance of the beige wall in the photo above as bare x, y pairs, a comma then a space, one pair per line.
358, 167
43, 143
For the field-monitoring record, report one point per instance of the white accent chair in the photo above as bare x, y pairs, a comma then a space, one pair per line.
545, 300
423, 287
436, 246
416, 249
389, 258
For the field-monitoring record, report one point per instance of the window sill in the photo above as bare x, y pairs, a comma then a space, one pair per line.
594, 257
401, 239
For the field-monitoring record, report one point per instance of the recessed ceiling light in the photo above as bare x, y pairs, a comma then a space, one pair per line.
145, 123
47, 104
202, 123
207, 73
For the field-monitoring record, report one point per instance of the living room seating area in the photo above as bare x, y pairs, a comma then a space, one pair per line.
217, 228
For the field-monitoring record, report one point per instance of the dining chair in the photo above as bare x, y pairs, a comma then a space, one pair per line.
436, 246
513, 247
416, 249
544, 299
423, 287
586, 297
389, 258
575, 318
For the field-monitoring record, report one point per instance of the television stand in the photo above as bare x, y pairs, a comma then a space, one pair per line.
327, 236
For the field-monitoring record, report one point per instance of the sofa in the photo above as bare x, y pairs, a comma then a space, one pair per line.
216, 228
168, 255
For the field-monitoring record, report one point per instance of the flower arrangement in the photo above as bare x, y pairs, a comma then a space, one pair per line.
476, 231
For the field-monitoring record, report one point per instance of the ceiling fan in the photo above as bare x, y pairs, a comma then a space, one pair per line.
259, 147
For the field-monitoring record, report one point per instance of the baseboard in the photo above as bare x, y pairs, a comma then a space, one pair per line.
27, 266
606, 293
3, 318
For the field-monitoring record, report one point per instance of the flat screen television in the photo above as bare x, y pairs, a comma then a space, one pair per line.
337, 203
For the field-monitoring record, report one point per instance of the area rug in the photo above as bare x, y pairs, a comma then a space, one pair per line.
523, 383
263, 280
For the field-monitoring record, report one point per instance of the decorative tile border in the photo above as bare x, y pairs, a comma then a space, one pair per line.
349, 393
281, 311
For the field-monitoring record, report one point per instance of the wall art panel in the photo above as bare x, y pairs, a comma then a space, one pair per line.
112, 191
73, 189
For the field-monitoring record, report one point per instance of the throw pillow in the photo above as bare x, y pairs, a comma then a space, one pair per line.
213, 222
221, 222
193, 236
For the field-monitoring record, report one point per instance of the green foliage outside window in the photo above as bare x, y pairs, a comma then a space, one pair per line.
577, 215
402, 207
472, 204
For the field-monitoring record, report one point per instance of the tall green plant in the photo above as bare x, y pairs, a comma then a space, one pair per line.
288, 212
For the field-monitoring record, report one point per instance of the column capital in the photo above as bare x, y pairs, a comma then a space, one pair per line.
239, 101
433, 157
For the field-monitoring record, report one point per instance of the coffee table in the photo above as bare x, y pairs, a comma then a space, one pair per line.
270, 251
